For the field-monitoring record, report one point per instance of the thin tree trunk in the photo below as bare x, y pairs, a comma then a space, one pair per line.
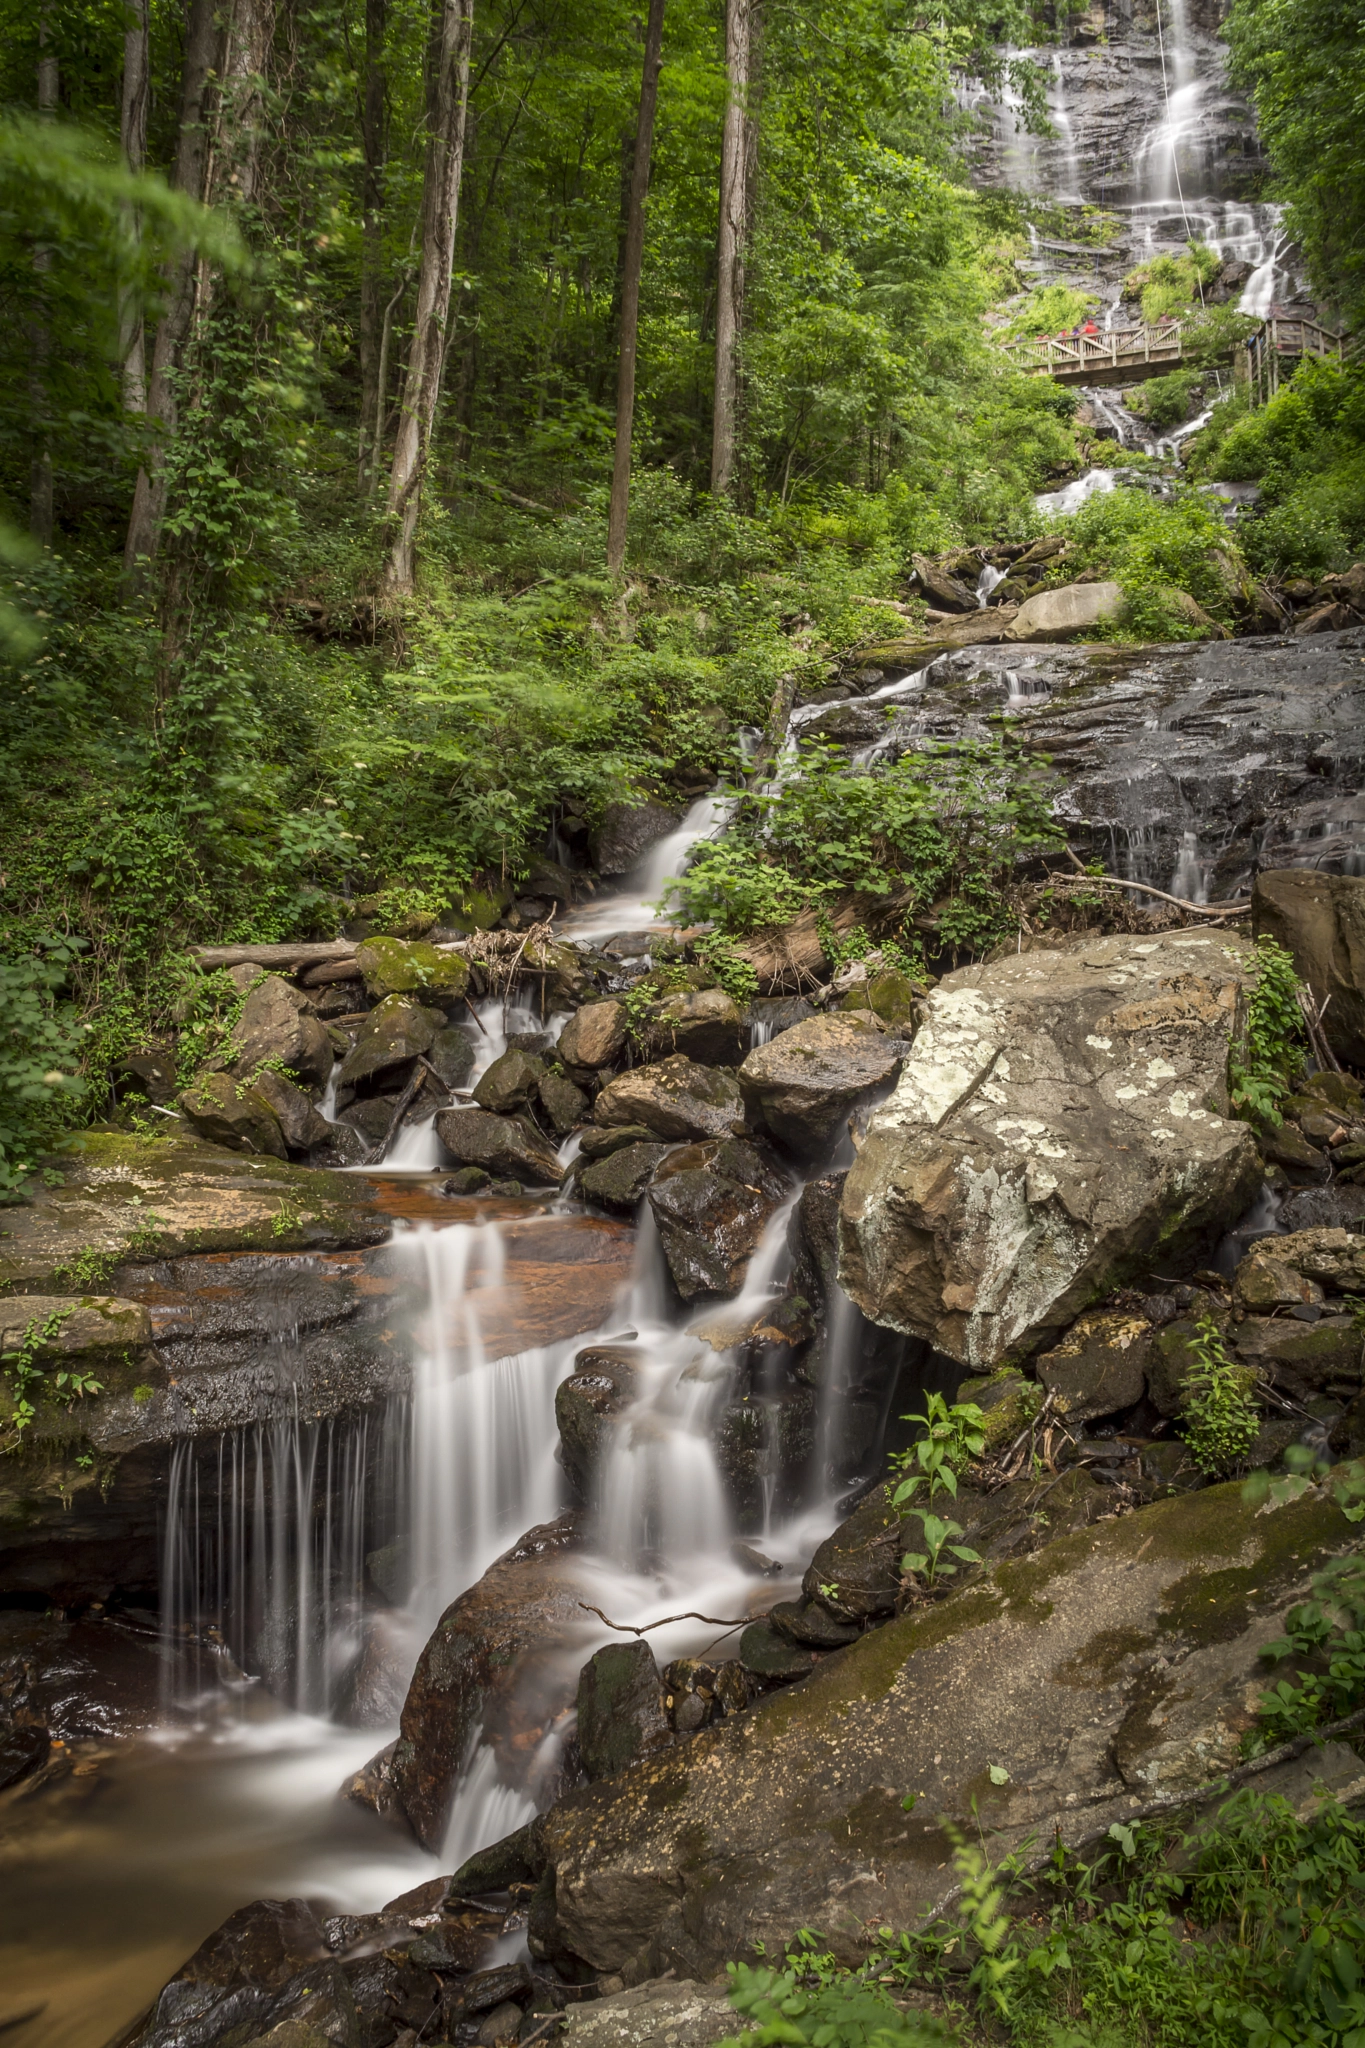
452, 26
190, 175
730, 243
630, 287
133, 141
40, 480
374, 144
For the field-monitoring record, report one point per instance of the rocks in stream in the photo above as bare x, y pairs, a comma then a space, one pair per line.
594, 1037
277, 1024
674, 1098
601, 1385
803, 1083
392, 1035
232, 1114
510, 1082
504, 1146
618, 1181
711, 1202
1061, 1115
704, 1024
621, 1715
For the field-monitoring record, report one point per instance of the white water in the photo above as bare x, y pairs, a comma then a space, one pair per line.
990, 579
1070, 498
636, 911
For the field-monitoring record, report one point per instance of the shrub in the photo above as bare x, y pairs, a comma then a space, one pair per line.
40, 1049
1219, 1417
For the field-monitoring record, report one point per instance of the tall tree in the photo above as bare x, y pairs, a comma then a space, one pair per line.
452, 27
190, 175
40, 482
631, 268
374, 154
133, 142
734, 181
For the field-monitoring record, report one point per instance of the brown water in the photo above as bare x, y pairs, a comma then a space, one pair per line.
114, 1871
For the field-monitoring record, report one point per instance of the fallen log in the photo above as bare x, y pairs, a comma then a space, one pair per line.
294, 956
332, 970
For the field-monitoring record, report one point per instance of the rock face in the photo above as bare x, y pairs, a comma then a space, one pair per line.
478, 1669
675, 1098
277, 1024
1062, 614
505, 1146
1320, 919
1058, 1119
802, 1084
1119, 1662
711, 1203
627, 832
1099, 1367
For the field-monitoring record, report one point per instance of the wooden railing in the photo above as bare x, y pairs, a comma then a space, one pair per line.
1131, 354
1283, 339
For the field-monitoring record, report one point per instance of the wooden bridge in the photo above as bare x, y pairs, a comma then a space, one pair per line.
1130, 355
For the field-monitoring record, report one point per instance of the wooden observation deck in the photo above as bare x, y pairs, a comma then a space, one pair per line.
1132, 354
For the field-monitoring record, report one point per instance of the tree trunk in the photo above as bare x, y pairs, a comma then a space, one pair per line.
40, 479
630, 287
452, 24
374, 144
190, 175
730, 243
234, 171
133, 141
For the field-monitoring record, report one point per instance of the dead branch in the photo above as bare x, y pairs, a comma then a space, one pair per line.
627, 1628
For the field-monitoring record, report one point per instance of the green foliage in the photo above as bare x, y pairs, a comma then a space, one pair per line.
1262, 1068
1051, 308
1154, 547
1172, 284
1328, 1630
1219, 1418
1166, 401
931, 1563
1290, 55
40, 1054
952, 1437
785, 2011
941, 831
28, 1379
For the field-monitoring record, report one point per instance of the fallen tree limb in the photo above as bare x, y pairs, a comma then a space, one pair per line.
298, 955
1236, 909
627, 1628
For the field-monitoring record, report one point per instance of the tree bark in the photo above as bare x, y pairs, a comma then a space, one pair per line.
630, 288
374, 146
452, 25
191, 175
40, 477
730, 243
132, 347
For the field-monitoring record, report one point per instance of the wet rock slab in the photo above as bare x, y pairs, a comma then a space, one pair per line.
658, 2014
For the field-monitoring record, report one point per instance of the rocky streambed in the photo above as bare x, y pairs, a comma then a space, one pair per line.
549, 1476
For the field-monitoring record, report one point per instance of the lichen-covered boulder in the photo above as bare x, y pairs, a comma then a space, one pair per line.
674, 1098
277, 1023
711, 1203
1279, 1271
404, 967
1061, 1117
508, 1147
802, 1084
395, 1031
234, 1114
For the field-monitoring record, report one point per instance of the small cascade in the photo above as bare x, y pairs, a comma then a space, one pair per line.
706, 819
1024, 690
990, 579
1070, 498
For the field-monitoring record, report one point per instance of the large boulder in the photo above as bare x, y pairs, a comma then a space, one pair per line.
239, 1980
711, 1203
1099, 1368
231, 1113
451, 1054
300, 1122
395, 967
1062, 614
626, 833
803, 1084
508, 1147
1050, 1695
942, 588
510, 1082
674, 1098
618, 1181
620, 1709
594, 1037
703, 1023
1062, 1115
395, 1031
478, 1671
277, 1024
1320, 919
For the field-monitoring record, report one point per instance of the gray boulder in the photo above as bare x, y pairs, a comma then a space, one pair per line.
295, 1112
393, 1034
627, 832
508, 1147
674, 1098
562, 1101
277, 1023
803, 1084
1114, 1664
451, 1053
711, 1203
703, 1023
510, 1082
620, 1709
1061, 614
594, 1037
618, 1181
1062, 1114
231, 1113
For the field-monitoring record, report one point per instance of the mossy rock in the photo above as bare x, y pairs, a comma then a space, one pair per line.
1007, 1401
400, 967
892, 997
